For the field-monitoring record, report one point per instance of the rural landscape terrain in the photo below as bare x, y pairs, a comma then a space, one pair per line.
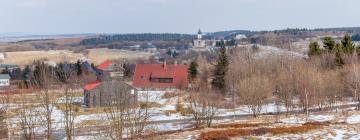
179, 70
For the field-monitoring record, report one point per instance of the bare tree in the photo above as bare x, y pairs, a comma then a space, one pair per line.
126, 116
4, 103
68, 79
352, 82
254, 92
43, 79
204, 104
29, 118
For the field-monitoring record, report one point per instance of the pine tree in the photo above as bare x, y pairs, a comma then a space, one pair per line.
5, 71
221, 67
192, 71
347, 44
314, 49
329, 44
338, 55
78, 68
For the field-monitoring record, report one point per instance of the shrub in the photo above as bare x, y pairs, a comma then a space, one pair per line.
168, 95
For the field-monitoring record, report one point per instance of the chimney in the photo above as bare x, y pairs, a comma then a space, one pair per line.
175, 63
164, 65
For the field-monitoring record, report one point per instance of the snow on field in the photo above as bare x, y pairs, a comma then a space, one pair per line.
166, 127
74, 100
312, 118
353, 119
273, 51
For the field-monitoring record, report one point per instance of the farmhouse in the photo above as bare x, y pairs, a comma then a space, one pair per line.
160, 76
109, 87
10, 67
4, 80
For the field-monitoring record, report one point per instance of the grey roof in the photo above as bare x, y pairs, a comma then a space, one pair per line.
4, 76
10, 66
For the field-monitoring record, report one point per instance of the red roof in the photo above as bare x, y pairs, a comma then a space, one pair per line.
92, 85
105, 65
143, 72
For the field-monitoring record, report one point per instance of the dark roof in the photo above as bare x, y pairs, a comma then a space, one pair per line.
10, 66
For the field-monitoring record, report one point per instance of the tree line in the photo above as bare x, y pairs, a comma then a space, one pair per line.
106, 39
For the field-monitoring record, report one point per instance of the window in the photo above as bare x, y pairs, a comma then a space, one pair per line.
161, 80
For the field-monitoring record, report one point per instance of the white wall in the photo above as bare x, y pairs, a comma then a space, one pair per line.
4, 82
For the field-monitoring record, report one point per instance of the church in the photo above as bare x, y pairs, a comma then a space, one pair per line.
199, 42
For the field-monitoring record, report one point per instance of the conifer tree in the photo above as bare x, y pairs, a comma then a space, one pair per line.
314, 49
192, 71
347, 44
338, 55
329, 44
221, 67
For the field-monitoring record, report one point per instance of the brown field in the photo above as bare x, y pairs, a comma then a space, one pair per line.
97, 56
27, 57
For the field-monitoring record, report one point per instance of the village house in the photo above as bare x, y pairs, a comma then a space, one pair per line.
160, 77
4, 80
109, 87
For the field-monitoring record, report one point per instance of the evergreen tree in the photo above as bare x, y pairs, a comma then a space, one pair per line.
347, 44
329, 44
221, 67
78, 68
192, 71
358, 50
314, 49
220, 43
338, 55
5, 71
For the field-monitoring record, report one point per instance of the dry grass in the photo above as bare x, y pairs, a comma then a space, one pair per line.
100, 55
228, 133
28, 57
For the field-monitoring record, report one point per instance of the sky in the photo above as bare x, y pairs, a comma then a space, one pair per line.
172, 16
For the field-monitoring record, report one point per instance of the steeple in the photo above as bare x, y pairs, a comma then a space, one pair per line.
199, 36
199, 32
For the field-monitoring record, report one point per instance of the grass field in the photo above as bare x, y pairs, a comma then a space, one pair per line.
95, 56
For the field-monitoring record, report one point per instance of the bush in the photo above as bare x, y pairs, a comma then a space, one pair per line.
168, 95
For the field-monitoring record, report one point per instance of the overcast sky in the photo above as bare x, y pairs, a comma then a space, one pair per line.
180, 16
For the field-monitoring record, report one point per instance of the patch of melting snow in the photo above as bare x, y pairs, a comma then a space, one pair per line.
301, 120
353, 119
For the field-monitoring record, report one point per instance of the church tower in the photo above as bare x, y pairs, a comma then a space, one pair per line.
199, 36
199, 42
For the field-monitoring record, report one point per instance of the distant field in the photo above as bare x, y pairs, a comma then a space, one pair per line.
27, 57
97, 56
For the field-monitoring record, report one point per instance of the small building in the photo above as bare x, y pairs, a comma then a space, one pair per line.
4, 80
109, 87
10, 67
160, 76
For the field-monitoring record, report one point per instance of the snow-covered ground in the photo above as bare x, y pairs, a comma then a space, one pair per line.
275, 51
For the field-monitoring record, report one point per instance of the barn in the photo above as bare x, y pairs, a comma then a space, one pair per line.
109, 87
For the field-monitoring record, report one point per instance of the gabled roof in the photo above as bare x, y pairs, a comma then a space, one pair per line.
105, 65
143, 72
92, 85
4, 76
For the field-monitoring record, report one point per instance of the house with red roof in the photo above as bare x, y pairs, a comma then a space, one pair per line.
160, 76
109, 87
